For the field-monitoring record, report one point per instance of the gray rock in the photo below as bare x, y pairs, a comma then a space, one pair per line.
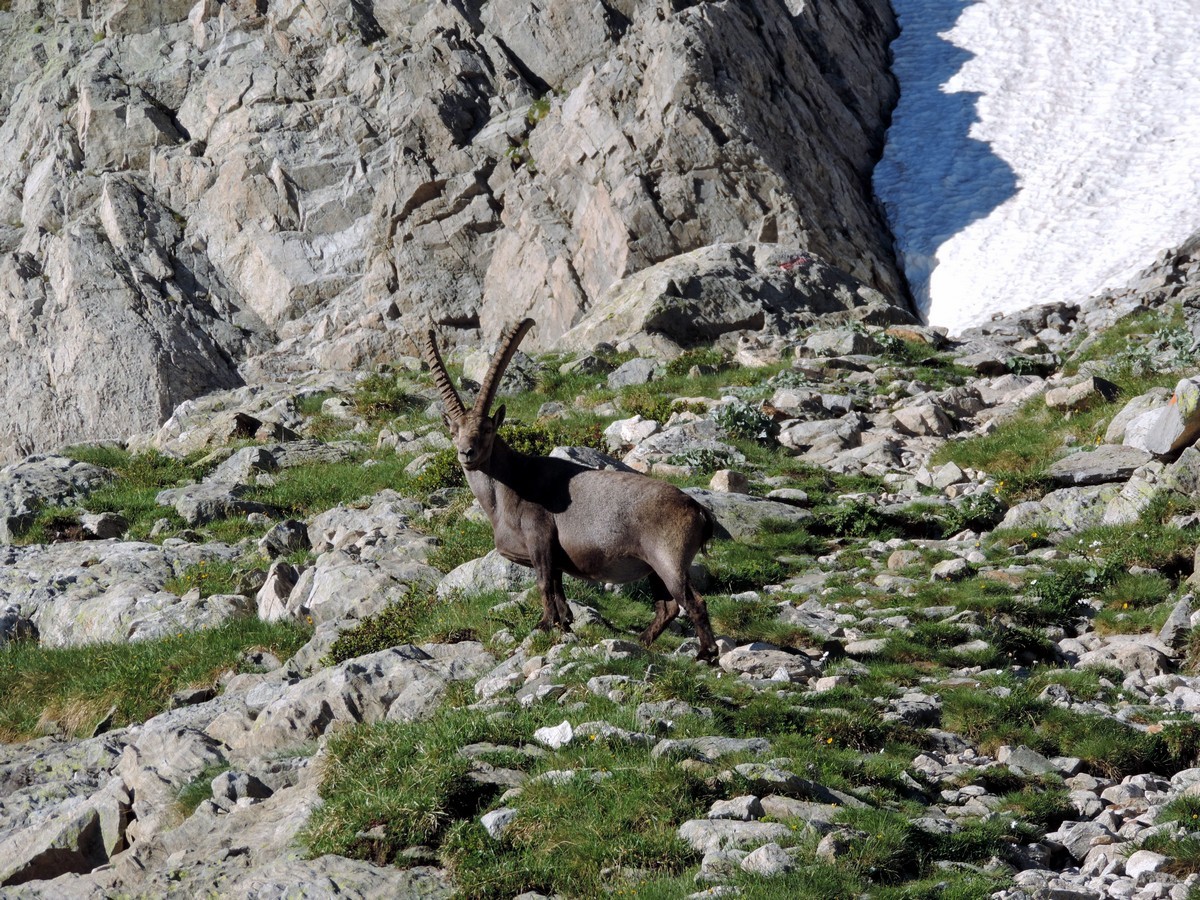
233, 786
369, 569
497, 821
743, 809
79, 835
1081, 394
1105, 463
1174, 632
243, 466
1138, 653
709, 749
697, 296
199, 504
1155, 398
105, 525
1135, 496
661, 715
1145, 862
1066, 509
818, 816
708, 835
488, 573
740, 515
768, 861
765, 661
639, 370
1024, 761
402, 683
41, 481
765, 779
950, 570
841, 342
1166, 430
285, 537
836, 435
272, 598
923, 419
79, 592
1079, 837
387, 516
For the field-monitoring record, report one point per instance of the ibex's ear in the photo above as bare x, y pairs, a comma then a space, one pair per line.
498, 416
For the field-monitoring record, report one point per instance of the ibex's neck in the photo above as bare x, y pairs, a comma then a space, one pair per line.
497, 478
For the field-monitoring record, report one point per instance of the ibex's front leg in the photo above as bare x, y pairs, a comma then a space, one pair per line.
556, 612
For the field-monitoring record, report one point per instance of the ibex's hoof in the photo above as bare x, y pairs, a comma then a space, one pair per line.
708, 655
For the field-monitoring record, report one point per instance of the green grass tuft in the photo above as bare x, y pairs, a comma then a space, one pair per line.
71, 689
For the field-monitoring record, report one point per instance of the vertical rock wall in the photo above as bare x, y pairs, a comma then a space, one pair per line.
197, 193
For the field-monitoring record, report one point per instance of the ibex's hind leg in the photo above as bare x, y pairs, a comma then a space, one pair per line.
693, 604
697, 611
665, 610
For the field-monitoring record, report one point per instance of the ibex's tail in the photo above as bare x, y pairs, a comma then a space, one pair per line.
710, 527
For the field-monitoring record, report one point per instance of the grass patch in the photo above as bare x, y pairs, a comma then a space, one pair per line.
209, 577
624, 813
199, 789
1107, 747
382, 396
1020, 449
421, 617
1183, 851
71, 689
776, 552
460, 540
140, 476
302, 491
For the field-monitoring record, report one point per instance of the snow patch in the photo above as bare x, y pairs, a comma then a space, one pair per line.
1041, 151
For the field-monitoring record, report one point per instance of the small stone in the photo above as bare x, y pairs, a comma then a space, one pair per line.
1143, 862
555, 736
497, 821
730, 482
768, 860
950, 570
833, 846
746, 808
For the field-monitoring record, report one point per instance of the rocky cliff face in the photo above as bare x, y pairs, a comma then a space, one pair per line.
194, 193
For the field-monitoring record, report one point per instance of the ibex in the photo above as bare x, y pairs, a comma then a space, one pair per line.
557, 516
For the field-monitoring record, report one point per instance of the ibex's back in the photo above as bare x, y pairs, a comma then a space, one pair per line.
556, 516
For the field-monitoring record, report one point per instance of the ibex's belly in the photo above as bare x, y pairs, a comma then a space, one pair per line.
585, 560
591, 566
618, 571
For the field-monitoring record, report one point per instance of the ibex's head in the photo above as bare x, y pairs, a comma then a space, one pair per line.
474, 431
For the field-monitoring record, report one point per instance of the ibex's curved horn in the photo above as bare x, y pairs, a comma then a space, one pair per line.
437, 368
504, 355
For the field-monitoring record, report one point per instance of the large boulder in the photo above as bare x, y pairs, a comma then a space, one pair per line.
93, 591
1166, 430
42, 481
696, 297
